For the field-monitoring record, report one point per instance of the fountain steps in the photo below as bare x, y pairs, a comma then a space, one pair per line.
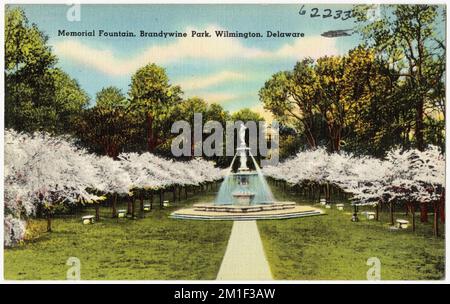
244, 195
244, 209
292, 212
246, 217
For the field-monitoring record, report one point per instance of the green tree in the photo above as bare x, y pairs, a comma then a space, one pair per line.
38, 96
246, 115
347, 87
218, 113
328, 94
154, 100
186, 109
111, 97
290, 96
109, 126
412, 45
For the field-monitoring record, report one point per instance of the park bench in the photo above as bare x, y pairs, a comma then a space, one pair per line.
166, 204
88, 219
121, 213
402, 224
147, 207
340, 206
370, 215
323, 201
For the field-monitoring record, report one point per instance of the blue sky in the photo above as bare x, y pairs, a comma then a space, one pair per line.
229, 71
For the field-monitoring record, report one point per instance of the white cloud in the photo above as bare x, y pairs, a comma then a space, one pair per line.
213, 48
314, 47
196, 82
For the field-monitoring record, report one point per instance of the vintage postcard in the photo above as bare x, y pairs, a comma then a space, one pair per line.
231, 142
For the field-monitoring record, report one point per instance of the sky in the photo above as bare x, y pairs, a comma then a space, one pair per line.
229, 71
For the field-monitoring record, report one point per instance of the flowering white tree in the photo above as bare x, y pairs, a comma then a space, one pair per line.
402, 177
47, 171
43, 172
113, 180
152, 173
429, 175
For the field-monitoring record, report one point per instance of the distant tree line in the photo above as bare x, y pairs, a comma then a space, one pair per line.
39, 96
389, 91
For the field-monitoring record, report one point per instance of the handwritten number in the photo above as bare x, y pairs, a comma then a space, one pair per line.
338, 14
347, 14
314, 12
327, 13
302, 11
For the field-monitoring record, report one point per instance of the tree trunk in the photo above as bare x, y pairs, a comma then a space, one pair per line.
161, 197
114, 204
442, 207
391, 212
141, 198
151, 141
97, 211
174, 192
436, 219
129, 207
133, 200
151, 200
49, 222
423, 212
327, 192
412, 209
112, 150
179, 193
377, 211
185, 192
419, 124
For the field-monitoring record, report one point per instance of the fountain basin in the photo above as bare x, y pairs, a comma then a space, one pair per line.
243, 198
278, 210
208, 207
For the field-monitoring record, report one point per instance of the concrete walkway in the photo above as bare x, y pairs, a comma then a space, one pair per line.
244, 258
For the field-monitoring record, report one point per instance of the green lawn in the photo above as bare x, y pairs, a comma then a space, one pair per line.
331, 247
327, 247
153, 248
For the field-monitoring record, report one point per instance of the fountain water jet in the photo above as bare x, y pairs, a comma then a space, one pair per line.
244, 195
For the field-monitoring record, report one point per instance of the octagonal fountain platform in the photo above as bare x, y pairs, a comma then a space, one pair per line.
277, 210
245, 195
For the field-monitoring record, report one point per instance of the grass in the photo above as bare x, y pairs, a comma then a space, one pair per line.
331, 247
153, 248
327, 247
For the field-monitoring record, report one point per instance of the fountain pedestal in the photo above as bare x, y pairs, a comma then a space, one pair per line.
243, 198
244, 195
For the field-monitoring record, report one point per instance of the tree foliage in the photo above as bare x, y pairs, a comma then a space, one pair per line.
44, 172
412, 46
388, 91
38, 96
330, 93
109, 127
153, 98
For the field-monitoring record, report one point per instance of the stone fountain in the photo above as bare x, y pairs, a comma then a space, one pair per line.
244, 195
